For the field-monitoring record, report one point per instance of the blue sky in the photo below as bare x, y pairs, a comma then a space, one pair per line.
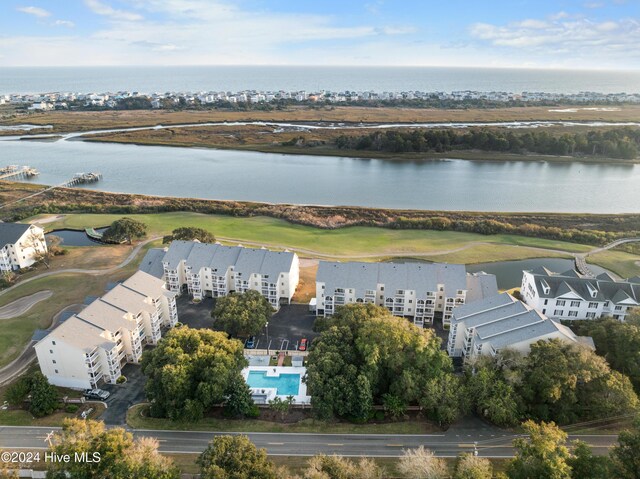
589, 34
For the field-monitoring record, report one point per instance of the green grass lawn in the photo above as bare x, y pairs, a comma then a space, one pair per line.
137, 419
625, 265
344, 242
67, 289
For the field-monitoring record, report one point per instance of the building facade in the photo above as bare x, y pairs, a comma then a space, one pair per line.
500, 322
214, 270
94, 344
414, 290
21, 245
573, 296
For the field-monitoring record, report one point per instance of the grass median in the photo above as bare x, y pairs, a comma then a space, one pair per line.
137, 418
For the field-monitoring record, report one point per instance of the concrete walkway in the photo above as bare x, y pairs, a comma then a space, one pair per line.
24, 304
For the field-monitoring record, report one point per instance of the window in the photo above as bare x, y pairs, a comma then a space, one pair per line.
560, 302
546, 301
573, 314
410, 301
618, 308
575, 304
53, 342
56, 371
544, 311
558, 312
593, 305
51, 351
54, 361
591, 315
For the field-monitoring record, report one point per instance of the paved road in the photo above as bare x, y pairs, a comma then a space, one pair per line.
449, 444
24, 304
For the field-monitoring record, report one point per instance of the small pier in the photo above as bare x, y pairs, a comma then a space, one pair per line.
98, 237
84, 178
17, 172
582, 267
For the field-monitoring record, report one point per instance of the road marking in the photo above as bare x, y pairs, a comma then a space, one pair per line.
335, 444
466, 445
275, 444
395, 445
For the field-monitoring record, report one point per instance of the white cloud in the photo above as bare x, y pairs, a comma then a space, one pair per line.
106, 10
64, 23
35, 11
572, 39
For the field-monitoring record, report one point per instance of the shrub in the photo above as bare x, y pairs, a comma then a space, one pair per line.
71, 408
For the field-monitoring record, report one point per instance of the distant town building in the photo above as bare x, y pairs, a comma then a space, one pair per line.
414, 290
22, 245
215, 270
501, 322
572, 296
94, 344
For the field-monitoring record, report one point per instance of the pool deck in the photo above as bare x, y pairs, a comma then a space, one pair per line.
274, 372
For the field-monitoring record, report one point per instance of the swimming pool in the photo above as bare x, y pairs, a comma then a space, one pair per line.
285, 384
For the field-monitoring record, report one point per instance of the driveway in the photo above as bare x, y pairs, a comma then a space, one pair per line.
286, 327
123, 396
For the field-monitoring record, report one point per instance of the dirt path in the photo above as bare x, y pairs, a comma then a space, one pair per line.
24, 304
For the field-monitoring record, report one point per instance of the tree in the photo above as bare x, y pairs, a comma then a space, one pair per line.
18, 391
469, 466
626, 455
8, 470
243, 314
238, 401
189, 233
120, 456
189, 371
125, 229
355, 361
44, 396
584, 465
394, 406
422, 464
282, 406
543, 455
443, 399
235, 457
337, 467
492, 397
39, 246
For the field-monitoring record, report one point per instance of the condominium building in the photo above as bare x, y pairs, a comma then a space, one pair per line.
214, 270
572, 296
499, 322
95, 343
21, 245
413, 290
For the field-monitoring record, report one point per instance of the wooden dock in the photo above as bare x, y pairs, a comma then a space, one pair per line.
15, 172
84, 178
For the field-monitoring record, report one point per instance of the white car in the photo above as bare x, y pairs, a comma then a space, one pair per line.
99, 394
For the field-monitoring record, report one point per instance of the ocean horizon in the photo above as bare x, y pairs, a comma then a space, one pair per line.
150, 79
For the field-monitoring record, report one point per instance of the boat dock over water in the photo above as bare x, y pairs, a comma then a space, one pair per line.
84, 178
14, 171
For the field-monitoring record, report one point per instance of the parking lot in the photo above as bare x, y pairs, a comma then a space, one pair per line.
123, 396
285, 329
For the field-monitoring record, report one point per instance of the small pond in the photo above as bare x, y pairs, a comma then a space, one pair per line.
75, 237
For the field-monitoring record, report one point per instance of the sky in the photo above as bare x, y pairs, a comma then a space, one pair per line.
588, 34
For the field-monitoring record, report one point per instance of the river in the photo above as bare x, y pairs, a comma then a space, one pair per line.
448, 184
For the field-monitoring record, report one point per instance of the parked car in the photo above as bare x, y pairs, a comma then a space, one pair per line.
98, 394
303, 345
250, 343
